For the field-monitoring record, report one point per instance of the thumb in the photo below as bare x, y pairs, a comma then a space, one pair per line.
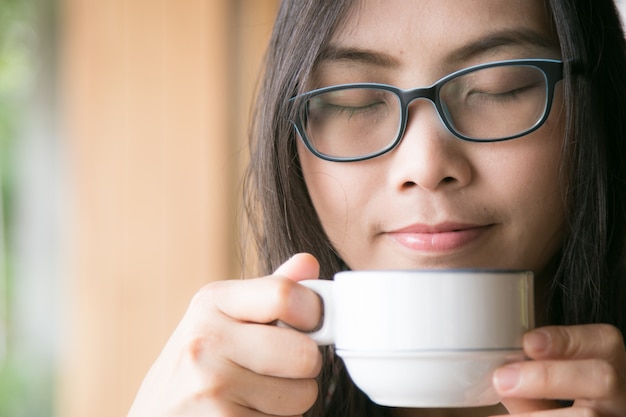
506, 382
299, 267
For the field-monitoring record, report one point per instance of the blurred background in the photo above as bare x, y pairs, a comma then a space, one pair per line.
122, 144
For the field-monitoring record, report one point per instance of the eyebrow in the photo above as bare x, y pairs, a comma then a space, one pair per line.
490, 42
510, 37
365, 56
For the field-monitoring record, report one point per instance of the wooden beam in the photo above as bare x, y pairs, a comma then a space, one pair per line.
153, 153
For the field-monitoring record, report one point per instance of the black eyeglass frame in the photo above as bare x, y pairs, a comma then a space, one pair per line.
551, 68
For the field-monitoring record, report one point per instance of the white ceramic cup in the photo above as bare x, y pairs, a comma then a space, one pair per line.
426, 338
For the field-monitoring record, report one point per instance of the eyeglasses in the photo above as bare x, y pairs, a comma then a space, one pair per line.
485, 103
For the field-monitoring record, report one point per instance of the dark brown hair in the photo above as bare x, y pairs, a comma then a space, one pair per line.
589, 283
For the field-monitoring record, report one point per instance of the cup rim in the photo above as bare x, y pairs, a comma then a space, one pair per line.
441, 271
398, 354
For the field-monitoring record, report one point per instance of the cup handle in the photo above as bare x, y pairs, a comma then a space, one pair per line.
323, 335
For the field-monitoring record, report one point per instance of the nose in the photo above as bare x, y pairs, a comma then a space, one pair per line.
429, 156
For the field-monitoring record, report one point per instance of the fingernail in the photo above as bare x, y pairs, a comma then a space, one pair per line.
507, 378
537, 341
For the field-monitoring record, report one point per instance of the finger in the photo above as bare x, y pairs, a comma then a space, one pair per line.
580, 379
280, 397
300, 266
206, 407
576, 342
197, 408
234, 334
265, 300
229, 383
282, 300
284, 353
275, 396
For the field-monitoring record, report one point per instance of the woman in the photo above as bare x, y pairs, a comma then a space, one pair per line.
482, 174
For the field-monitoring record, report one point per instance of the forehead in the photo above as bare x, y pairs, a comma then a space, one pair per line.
418, 31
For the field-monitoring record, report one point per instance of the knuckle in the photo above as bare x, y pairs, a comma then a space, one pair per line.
205, 296
607, 378
568, 345
282, 291
611, 336
198, 348
309, 358
208, 379
300, 355
587, 412
194, 351
603, 336
544, 375
538, 374
216, 385
194, 347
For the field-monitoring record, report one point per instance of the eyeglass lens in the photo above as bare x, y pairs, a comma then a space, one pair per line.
487, 104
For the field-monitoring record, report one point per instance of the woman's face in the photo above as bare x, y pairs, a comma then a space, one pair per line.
436, 201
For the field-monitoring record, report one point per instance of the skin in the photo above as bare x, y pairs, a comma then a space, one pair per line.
227, 359
506, 195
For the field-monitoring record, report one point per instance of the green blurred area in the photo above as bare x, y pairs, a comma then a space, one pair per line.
17, 19
25, 382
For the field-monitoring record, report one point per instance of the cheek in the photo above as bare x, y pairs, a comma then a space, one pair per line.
533, 166
329, 196
340, 194
531, 184
327, 189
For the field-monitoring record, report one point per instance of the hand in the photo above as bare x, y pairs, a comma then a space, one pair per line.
224, 359
586, 364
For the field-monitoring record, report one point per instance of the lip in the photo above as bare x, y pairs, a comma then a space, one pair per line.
443, 237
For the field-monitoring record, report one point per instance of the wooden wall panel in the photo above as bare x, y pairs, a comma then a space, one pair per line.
154, 117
